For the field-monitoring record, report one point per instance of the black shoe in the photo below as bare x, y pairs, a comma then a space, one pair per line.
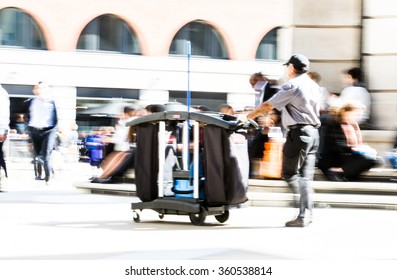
102, 181
298, 222
336, 176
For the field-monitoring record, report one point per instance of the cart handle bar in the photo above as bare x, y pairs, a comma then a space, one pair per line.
213, 118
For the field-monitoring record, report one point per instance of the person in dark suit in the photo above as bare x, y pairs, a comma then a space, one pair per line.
265, 88
43, 125
344, 157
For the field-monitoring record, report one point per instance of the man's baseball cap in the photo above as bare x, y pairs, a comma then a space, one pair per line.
299, 61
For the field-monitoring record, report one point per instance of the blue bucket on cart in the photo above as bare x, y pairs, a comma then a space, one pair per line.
183, 188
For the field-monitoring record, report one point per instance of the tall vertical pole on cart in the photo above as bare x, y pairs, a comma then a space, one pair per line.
185, 132
195, 129
189, 53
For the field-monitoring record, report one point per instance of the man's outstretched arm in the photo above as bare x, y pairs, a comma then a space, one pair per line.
261, 110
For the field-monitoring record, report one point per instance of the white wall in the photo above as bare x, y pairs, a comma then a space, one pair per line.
380, 59
153, 76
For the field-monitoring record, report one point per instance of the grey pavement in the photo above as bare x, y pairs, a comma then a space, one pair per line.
57, 222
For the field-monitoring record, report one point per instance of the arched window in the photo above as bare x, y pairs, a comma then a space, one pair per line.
267, 48
108, 33
18, 29
205, 41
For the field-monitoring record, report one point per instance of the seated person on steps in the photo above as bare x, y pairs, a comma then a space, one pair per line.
343, 156
123, 155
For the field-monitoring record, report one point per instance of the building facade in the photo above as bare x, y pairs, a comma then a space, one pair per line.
92, 51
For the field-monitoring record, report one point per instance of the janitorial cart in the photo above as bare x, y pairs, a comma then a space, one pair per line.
190, 163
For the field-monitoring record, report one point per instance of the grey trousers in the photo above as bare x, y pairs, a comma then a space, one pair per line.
299, 159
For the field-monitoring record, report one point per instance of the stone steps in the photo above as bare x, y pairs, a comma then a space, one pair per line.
375, 191
364, 194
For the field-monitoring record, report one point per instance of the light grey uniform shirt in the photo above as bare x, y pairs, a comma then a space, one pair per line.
299, 101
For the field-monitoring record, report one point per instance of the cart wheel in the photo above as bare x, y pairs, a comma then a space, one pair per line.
161, 216
136, 217
223, 217
198, 218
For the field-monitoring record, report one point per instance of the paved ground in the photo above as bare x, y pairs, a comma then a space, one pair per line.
56, 222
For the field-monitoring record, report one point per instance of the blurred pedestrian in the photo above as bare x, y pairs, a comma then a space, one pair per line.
43, 125
122, 157
265, 89
4, 124
263, 86
256, 145
392, 156
354, 92
344, 157
72, 137
299, 102
200, 108
325, 94
95, 145
226, 109
327, 101
20, 123
154, 108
